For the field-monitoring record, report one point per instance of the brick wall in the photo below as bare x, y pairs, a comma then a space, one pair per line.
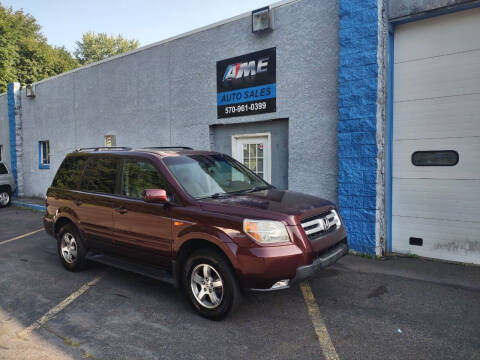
357, 107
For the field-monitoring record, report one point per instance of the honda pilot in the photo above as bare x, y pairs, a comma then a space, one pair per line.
199, 220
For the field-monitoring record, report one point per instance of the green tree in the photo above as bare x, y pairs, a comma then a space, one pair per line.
95, 47
25, 55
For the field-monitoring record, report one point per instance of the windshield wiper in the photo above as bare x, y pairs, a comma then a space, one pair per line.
257, 188
218, 195
213, 196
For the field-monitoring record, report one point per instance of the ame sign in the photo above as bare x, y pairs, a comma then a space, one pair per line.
246, 84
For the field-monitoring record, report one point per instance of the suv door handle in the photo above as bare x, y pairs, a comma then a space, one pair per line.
121, 210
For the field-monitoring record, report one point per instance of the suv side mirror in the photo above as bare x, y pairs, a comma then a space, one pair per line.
155, 196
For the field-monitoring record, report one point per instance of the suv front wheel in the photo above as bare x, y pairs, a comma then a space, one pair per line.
210, 284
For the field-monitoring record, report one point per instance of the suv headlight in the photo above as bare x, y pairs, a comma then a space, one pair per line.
266, 231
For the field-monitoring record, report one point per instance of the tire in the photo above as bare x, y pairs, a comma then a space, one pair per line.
228, 296
5, 198
73, 258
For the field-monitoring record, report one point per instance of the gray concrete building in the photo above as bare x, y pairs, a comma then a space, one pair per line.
165, 94
370, 103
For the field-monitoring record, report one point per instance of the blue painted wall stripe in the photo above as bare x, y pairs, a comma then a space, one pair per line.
253, 93
12, 132
357, 121
37, 207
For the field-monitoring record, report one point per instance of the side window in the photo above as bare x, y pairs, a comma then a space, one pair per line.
139, 175
99, 175
3, 169
70, 172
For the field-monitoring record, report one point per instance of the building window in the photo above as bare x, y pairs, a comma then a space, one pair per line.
110, 141
1, 152
44, 154
435, 158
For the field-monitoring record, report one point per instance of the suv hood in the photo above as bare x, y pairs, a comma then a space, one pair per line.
274, 204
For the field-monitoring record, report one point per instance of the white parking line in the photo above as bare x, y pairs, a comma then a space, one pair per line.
21, 236
326, 344
55, 310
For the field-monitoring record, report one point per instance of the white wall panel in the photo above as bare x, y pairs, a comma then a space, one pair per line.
468, 166
442, 239
448, 34
457, 74
437, 199
437, 118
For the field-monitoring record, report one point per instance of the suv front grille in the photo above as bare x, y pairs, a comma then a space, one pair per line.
320, 225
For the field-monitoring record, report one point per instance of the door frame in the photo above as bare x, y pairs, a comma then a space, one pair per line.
268, 152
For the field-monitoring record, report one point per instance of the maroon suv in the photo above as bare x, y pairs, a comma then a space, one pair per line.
198, 219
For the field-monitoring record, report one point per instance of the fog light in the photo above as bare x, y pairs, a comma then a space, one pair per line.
281, 284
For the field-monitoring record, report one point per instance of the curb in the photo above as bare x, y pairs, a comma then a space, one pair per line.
30, 206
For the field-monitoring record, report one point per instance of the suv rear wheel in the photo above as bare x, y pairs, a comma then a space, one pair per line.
210, 284
70, 247
5, 197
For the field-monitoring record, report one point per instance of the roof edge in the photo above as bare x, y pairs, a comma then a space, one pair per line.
167, 40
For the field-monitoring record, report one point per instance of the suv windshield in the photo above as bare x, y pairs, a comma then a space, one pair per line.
205, 176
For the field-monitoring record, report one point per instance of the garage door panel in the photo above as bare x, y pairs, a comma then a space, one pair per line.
468, 166
441, 35
436, 106
442, 239
457, 116
437, 199
457, 74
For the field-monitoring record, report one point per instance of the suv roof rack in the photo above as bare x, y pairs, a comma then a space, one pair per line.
169, 147
104, 148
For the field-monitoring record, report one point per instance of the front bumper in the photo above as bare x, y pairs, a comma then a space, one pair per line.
304, 272
326, 259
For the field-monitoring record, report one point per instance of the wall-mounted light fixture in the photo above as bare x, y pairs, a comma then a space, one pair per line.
262, 19
30, 91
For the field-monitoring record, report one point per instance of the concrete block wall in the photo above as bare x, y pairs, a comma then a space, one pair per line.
357, 126
165, 94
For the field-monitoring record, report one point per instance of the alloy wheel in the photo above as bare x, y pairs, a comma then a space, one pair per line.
4, 198
207, 286
69, 248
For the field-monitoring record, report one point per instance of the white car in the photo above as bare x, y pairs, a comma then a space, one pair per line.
7, 186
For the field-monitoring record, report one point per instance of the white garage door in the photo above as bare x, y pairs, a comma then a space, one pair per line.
436, 115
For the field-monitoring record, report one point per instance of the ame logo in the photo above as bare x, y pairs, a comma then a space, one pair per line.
246, 70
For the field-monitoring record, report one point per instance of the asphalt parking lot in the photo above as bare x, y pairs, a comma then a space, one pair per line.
403, 308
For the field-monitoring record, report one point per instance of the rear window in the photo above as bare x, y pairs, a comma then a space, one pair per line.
99, 175
3, 169
70, 172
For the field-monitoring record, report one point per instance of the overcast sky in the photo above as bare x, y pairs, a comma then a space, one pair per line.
64, 21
